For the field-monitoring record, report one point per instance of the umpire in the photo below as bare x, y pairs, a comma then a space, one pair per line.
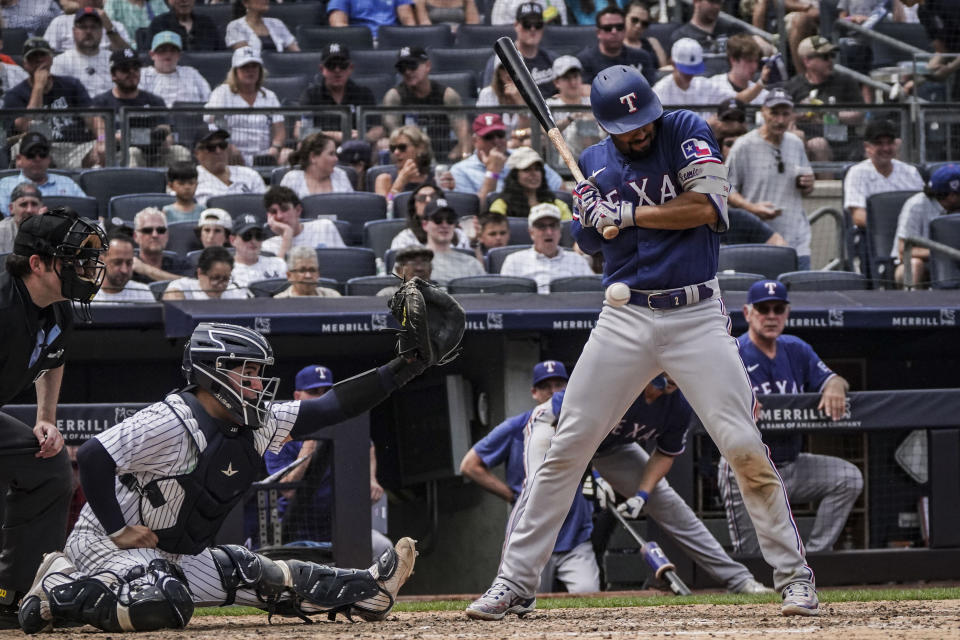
55, 260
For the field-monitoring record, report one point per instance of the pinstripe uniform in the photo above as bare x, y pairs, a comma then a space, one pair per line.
153, 444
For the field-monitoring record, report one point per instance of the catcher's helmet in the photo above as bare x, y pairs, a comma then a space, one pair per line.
75, 243
212, 353
622, 99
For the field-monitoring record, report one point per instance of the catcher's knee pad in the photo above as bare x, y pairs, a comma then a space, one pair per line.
153, 598
241, 568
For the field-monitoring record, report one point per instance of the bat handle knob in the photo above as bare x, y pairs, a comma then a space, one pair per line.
611, 232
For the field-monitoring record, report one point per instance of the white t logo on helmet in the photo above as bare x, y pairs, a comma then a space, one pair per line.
630, 100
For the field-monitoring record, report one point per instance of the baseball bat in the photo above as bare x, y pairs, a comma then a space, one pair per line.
517, 68
655, 557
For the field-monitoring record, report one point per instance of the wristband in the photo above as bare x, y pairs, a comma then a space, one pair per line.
643, 494
493, 175
390, 196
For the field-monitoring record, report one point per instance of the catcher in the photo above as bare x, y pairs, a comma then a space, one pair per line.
160, 484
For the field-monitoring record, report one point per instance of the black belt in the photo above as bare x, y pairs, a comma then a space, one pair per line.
670, 299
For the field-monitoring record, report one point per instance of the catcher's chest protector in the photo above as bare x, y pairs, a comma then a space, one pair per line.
225, 469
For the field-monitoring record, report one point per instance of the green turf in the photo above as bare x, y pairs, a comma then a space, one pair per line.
826, 595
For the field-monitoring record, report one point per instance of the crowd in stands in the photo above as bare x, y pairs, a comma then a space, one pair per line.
455, 171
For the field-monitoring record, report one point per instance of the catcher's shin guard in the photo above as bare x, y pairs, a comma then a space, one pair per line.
146, 599
241, 568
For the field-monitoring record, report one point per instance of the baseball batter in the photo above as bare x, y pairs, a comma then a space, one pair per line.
660, 179
778, 363
160, 484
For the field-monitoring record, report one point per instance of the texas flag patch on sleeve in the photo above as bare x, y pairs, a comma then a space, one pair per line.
694, 148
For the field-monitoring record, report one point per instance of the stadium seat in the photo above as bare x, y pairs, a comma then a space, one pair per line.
373, 172
492, 284
125, 207
379, 234
370, 285
716, 63
450, 60
287, 88
193, 258
395, 36
187, 125
482, 35
944, 272
463, 82
314, 38
497, 255
570, 38
765, 259
87, 207
465, 204
182, 237
292, 63
733, 281
883, 210
238, 204
662, 32
355, 207
390, 257
104, 184
911, 33
566, 233
220, 13
577, 283
519, 230
212, 65
341, 264
157, 288
14, 39
142, 38
293, 14
268, 288
370, 62
823, 280
378, 83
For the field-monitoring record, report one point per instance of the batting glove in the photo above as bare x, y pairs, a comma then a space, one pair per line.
592, 210
604, 493
632, 507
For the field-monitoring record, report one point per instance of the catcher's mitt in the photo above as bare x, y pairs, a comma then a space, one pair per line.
431, 322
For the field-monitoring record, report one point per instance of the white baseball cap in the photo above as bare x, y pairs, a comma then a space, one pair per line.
217, 217
522, 158
563, 64
245, 55
541, 211
687, 56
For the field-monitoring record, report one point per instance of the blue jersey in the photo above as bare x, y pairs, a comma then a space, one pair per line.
796, 369
666, 420
313, 522
651, 259
504, 443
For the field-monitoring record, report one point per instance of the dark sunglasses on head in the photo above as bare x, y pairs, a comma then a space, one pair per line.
532, 25
407, 65
780, 167
336, 65
643, 23
149, 231
252, 234
766, 307
442, 217
398, 147
214, 146
611, 27
43, 154
495, 135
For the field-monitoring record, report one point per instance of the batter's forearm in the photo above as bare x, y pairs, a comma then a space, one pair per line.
656, 468
686, 211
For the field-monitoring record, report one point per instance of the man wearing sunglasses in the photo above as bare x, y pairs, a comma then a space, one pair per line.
215, 177
611, 28
151, 235
440, 223
770, 174
705, 27
33, 160
248, 265
529, 26
335, 88
778, 363
505, 11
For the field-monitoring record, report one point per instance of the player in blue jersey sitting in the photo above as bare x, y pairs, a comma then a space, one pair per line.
778, 363
659, 178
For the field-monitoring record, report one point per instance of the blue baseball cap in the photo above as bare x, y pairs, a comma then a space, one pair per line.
767, 290
946, 179
313, 377
548, 369
166, 37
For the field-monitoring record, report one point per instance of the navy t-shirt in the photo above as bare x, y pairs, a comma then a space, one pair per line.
594, 62
65, 93
144, 99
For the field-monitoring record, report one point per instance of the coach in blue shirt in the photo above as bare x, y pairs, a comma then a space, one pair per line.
778, 363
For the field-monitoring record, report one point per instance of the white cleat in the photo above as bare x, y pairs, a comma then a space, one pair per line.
498, 601
800, 599
751, 586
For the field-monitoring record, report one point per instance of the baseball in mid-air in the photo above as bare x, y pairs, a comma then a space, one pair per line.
618, 294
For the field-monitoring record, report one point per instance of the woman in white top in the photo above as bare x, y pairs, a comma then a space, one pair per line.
502, 92
213, 281
260, 33
318, 172
254, 134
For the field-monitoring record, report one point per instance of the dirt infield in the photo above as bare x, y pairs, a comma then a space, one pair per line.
910, 620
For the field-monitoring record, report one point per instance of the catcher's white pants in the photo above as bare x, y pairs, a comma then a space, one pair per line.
628, 347
833, 482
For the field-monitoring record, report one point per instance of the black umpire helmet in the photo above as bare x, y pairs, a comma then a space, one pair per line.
210, 358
